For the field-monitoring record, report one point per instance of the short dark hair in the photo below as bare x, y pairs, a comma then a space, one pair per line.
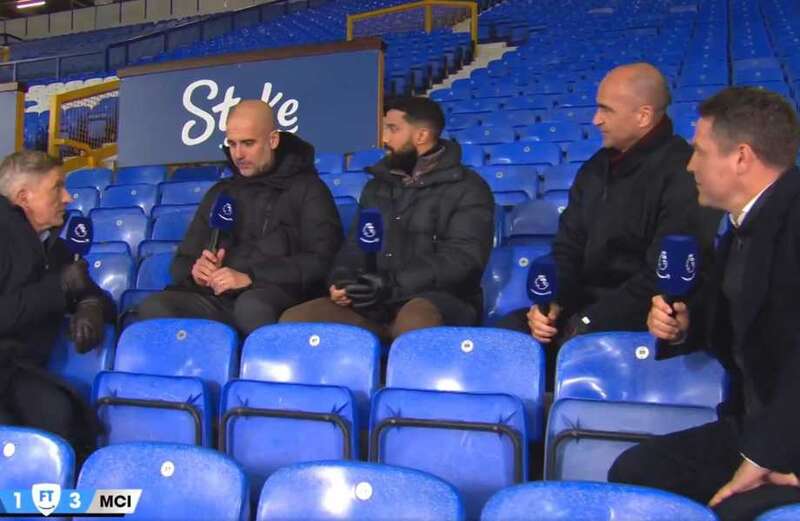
762, 119
419, 110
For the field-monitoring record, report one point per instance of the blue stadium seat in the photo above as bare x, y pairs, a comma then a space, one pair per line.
113, 272
511, 185
522, 118
196, 173
154, 271
696, 93
585, 437
177, 481
29, 456
472, 155
486, 384
462, 121
83, 199
172, 226
143, 407
163, 209
505, 282
80, 369
111, 225
759, 75
787, 513
364, 491
536, 103
346, 187
329, 162
524, 154
685, 127
485, 135
186, 192
622, 366
141, 174
98, 178
552, 132
119, 247
143, 196
475, 106
580, 151
580, 115
497, 119
558, 177
578, 99
578, 501
147, 248
360, 160
531, 220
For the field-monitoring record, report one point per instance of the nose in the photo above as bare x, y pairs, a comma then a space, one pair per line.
66, 198
597, 121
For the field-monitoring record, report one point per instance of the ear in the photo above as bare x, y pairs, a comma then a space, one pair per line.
745, 157
274, 139
21, 198
422, 135
646, 115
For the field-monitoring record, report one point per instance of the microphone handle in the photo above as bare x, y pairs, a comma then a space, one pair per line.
372, 262
671, 300
213, 244
544, 307
662, 345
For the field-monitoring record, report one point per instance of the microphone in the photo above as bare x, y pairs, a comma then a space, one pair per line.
677, 267
222, 218
370, 236
79, 235
542, 283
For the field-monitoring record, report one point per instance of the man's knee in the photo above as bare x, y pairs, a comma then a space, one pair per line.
156, 306
253, 310
417, 313
316, 310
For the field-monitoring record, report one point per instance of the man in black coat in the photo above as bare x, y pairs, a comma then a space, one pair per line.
285, 235
437, 218
630, 194
39, 283
746, 315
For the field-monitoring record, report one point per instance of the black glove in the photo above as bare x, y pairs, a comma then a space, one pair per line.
368, 290
76, 282
86, 326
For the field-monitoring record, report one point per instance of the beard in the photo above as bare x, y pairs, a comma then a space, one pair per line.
404, 159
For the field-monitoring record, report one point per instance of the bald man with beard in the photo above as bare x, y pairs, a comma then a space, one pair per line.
625, 198
286, 232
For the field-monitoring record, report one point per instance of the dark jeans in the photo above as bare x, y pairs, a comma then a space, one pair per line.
246, 312
425, 310
696, 463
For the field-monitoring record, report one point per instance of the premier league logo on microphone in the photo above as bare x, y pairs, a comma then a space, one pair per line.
663, 265
541, 286
82, 233
227, 212
370, 231
677, 265
690, 268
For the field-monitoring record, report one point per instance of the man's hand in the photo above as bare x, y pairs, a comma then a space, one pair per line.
205, 266
339, 296
543, 328
749, 477
370, 289
76, 282
670, 323
227, 279
86, 324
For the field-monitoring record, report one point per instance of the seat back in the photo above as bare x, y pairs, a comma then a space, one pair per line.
787, 513
79, 369
552, 132
510, 184
142, 195
177, 481
534, 218
83, 199
507, 289
154, 272
29, 456
364, 491
196, 173
153, 175
623, 367
544, 154
329, 162
98, 178
113, 272
110, 225
184, 192
172, 226
346, 187
578, 501
363, 158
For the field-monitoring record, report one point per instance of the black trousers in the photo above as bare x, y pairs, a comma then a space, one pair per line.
246, 311
696, 463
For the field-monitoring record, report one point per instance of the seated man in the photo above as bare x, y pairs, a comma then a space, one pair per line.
286, 232
39, 283
437, 218
630, 194
746, 315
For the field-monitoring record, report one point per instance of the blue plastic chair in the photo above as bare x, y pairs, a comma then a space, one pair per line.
544, 154
329, 162
472, 155
531, 220
83, 199
462, 121
346, 187
360, 160
580, 115
79, 369
185, 192
97, 178
29, 456
357, 491
196, 173
558, 178
143, 196
578, 501
522, 118
486, 135
111, 225
552, 132
172, 226
463, 411
506, 279
787, 513
511, 185
580, 151
148, 248
113, 272
696, 93
160, 210
153, 175
177, 481
154, 272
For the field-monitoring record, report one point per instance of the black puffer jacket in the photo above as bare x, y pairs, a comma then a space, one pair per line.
609, 236
437, 232
287, 229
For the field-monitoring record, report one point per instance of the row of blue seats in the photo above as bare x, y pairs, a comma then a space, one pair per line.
318, 490
319, 382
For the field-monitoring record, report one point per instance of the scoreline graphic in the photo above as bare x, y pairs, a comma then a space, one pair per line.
46, 499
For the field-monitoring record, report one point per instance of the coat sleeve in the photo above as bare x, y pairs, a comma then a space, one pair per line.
678, 213
568, 248
195, 240
24, 306
320, 238
461, 253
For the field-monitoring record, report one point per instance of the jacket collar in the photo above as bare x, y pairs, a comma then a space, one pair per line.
293, 157
447, 168
14, 215
625, 163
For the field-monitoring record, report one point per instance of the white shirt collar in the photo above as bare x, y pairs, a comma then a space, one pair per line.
737, 221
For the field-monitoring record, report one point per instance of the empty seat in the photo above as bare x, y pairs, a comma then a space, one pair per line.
79, 369
558, 178
363, 491
141, 174
172, 226
143, 196
552, 132
578, 501
533, 219
486, 135
110, 226
83, 199
472, 155
113, 272
346, 187
163, 209
98, 178
185, 192
462, 121
510, 184
329, 162
360, 160
154, 271
580, 115
177, 481
29, 456
196, 173
463, 411
580, 151
147, 248
506, 280
524, 154
787, 513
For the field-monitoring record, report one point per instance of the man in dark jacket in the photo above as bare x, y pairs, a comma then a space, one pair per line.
39, 283
286, 232
437, 218
746, 315
630, 194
